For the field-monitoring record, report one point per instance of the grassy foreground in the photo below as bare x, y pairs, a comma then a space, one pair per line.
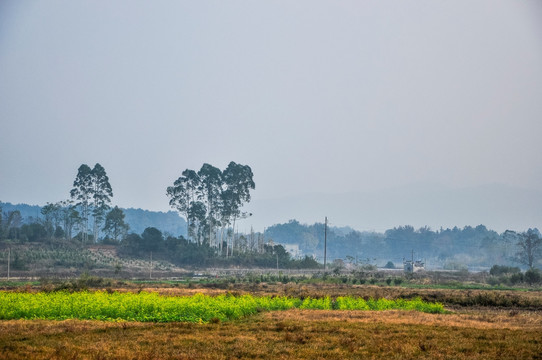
145, 306
484, 325
290, 334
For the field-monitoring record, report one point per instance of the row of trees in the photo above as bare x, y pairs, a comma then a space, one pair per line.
182, 252
89, 206
58, 223
448, 248
211, 200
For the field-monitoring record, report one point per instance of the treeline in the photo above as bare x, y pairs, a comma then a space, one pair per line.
453, 249
210, 199
85, 215
182, 252
58, 223
137, 219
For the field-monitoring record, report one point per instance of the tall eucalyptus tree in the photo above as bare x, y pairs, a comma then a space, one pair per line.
92, 194
81, 194
238, 181
211, 198
115, 226
70, 217
52, 217
211, 188
185, 197
101, 196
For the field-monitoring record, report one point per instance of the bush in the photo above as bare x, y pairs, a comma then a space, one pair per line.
516, 278
532, 276
499, 270
388, 281
389, 265
493, 280
397, 281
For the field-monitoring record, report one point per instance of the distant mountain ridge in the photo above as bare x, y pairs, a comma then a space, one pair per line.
497, 206
167, 222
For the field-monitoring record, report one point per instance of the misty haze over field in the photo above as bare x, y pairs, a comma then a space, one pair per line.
375, 114
497, 206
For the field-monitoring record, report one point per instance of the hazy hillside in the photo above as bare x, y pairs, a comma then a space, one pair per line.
454, 247
28, 212
451, 248
167, 222
499, 207
138, 219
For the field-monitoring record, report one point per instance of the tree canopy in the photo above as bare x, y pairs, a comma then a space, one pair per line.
211, 200
92, 194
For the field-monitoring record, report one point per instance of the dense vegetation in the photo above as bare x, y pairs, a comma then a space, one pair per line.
180, 251
451, 249
211, 201
137, 220
198, 308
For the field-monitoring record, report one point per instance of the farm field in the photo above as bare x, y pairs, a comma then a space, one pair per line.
152, 307
291, 334
484, 329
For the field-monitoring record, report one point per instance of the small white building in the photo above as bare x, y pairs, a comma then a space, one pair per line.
411, 266
293, 250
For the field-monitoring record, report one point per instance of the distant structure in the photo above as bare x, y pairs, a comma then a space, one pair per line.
293, 249
411, 266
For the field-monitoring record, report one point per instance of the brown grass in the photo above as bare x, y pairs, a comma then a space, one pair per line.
479, 332
293, 334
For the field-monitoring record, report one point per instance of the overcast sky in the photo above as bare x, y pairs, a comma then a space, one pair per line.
318, 97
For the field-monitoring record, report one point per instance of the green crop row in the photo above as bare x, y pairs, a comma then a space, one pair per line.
198, 308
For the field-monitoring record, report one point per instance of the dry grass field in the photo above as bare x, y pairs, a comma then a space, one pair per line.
292, 334
469, 332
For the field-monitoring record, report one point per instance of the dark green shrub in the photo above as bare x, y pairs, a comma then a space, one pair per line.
516, 278
389, 265
499, 270
493, 280
532, 276
388, 281
397, 281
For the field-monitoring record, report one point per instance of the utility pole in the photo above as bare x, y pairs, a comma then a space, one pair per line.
9, 256
150, 268
325, 246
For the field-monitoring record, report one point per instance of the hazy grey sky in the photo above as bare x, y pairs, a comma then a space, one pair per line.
317, 97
